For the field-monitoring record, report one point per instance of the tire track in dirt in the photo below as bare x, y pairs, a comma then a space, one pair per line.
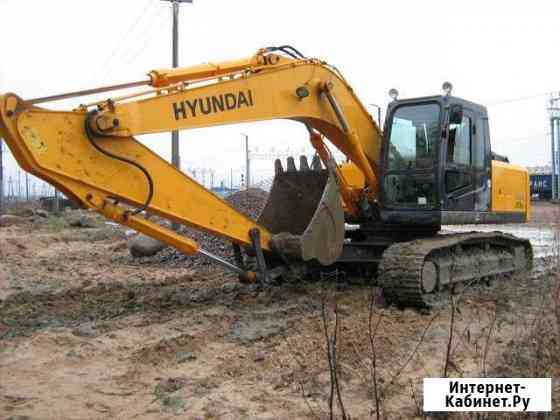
26, 312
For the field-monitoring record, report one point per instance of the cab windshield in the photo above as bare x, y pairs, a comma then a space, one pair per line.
414, 136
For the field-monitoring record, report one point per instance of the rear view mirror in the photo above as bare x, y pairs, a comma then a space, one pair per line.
456, 114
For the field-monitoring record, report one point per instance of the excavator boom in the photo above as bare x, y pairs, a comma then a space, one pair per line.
90, 153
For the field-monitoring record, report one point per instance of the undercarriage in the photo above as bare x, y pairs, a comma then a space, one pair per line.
414, 273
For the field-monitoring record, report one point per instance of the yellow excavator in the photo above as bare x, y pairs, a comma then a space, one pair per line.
379, 213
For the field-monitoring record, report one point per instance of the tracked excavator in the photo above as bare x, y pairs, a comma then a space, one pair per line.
378, 213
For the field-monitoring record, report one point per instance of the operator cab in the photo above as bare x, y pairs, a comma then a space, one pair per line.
436, 162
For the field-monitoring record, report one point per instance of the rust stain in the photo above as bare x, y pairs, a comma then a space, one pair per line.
33, 140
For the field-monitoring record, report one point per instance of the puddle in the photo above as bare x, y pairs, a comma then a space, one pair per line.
545, 239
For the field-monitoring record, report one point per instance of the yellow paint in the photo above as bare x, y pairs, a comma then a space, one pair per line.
32, 138
510, 189
53, 145
353, 176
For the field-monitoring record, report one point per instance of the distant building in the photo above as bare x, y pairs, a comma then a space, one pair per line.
541, 185
544, 169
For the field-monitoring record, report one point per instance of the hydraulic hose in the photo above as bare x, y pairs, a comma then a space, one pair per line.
91, 137
288, 50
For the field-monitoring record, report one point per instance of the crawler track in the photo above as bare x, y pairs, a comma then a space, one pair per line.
413, 273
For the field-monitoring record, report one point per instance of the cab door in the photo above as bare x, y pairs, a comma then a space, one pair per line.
459, 176
482, 163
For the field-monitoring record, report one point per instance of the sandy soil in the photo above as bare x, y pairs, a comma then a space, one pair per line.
86, 332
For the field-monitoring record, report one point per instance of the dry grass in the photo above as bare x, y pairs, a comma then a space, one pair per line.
511, 329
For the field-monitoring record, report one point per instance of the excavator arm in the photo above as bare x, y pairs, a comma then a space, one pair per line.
90, 153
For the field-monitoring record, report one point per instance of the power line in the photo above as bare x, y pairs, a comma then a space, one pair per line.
520, 99
124, 36
158, 20
542, 135
143, 31
103, 70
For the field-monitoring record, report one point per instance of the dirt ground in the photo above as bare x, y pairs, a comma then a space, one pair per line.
87, 332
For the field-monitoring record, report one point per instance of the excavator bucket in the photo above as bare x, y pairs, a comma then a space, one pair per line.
304, 212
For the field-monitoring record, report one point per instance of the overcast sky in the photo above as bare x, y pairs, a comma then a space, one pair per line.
501, 54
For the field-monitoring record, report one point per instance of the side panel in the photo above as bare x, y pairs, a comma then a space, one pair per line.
480, 217
510, 189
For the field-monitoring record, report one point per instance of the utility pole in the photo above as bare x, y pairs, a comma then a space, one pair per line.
10, 187
175, 156
56, 203
556, 165
379, 123
26, 186
553, 155
247, 162
554, 115
19, 194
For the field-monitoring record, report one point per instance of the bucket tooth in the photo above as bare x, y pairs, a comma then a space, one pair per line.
305, 216
278, 169
316, 163
303, 164
291, 165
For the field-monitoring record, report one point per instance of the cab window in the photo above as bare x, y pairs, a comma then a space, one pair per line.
414, 137
459, 143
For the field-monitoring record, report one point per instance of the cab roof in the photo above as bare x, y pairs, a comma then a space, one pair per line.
444, 100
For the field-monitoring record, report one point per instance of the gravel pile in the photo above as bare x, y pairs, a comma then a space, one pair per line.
250, 203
